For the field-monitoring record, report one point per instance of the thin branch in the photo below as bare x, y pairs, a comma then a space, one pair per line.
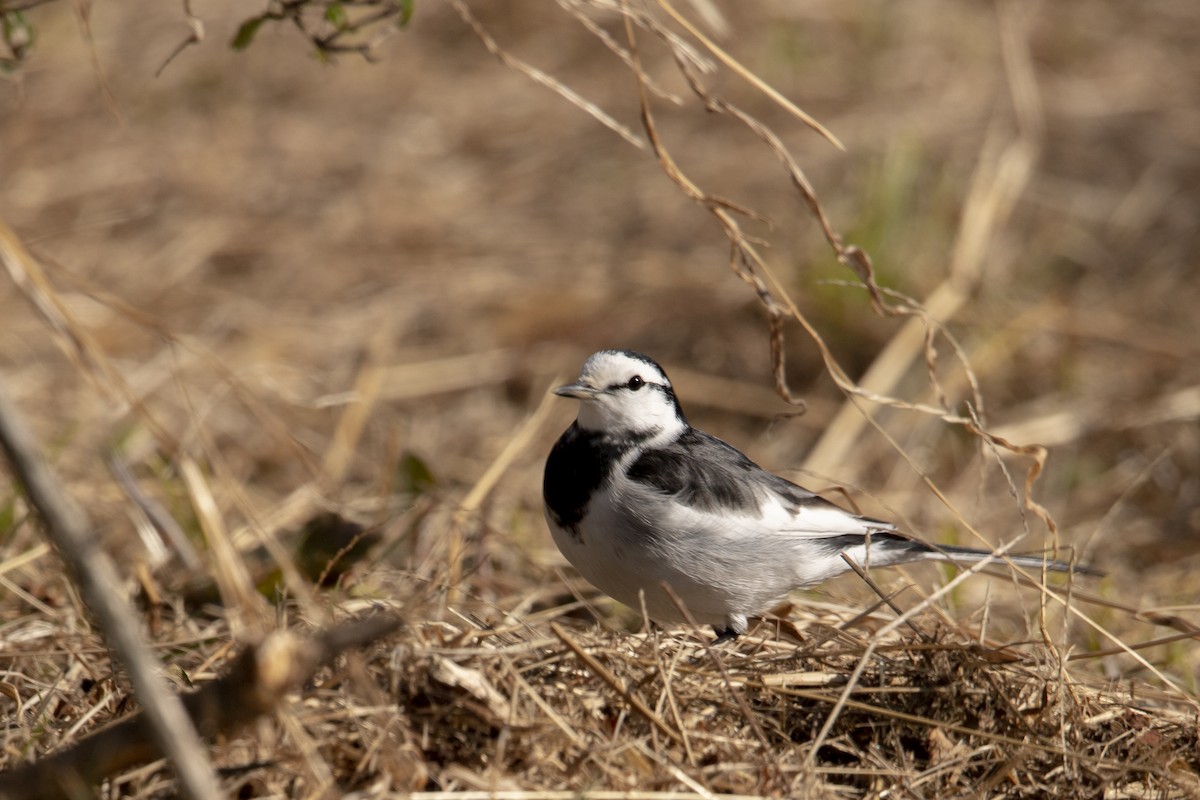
751, 78
196, 36
538, 76
8, 6
167, 723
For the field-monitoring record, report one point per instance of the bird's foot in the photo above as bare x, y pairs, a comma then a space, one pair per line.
724, 635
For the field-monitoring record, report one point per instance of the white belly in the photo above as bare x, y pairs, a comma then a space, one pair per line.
626, 559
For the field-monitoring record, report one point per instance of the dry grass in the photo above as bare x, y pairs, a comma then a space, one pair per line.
275, 289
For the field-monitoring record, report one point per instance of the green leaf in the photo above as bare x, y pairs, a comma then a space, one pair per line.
247, 32
335, 13
18, 33
8, 517
415, 476
406, 12
329, 545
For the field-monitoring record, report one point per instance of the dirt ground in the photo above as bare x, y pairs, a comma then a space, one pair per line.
347, 287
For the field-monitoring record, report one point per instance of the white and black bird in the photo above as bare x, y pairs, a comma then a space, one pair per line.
636, 497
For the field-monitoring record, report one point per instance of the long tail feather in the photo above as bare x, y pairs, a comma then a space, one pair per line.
970, 555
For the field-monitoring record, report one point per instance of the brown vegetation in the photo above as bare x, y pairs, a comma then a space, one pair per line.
314, 311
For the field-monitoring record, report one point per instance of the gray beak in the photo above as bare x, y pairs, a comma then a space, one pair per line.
577, 390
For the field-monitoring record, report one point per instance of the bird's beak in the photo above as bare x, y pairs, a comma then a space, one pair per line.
579, 391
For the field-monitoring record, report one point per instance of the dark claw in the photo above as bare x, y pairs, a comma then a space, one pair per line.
724, 635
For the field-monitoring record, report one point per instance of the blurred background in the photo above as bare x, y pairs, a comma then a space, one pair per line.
260, 241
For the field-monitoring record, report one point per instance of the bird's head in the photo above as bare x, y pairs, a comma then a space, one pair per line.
625, 394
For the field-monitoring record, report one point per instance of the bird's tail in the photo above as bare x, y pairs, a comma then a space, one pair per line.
971, 555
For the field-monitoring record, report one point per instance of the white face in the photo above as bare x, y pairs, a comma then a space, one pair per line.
620, 392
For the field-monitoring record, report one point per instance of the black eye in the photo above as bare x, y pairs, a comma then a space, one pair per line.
636, 382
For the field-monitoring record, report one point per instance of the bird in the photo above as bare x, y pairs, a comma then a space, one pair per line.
636, 498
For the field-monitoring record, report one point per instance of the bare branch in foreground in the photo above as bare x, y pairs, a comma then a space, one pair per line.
258, 680
100, 588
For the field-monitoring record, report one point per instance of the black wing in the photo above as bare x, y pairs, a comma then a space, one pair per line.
704, 472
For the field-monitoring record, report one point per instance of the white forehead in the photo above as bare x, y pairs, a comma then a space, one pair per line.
610, 367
